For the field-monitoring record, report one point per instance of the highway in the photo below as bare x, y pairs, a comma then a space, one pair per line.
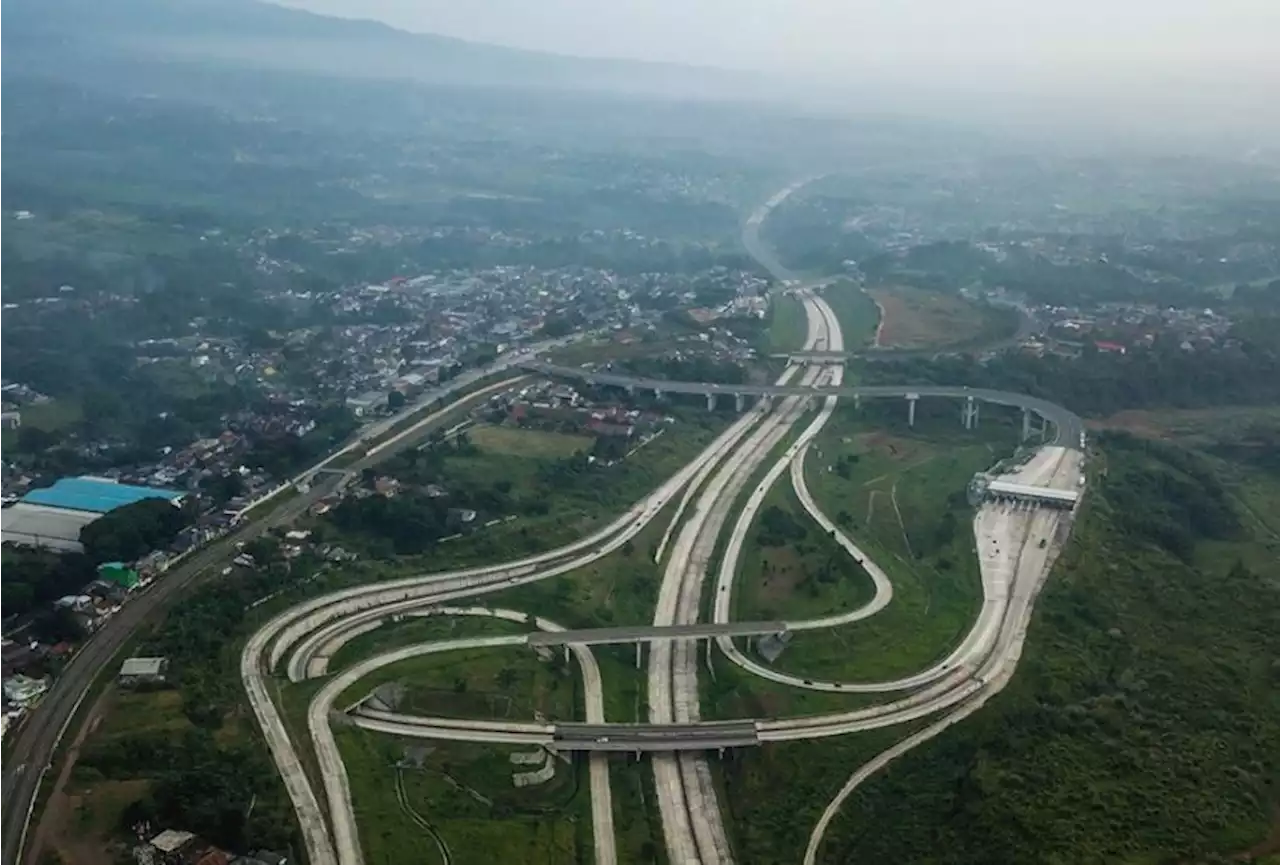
1013, 565
687, 797
651, 634
36, 739
320, 624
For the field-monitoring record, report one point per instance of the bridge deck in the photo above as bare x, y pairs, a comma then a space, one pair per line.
652, 633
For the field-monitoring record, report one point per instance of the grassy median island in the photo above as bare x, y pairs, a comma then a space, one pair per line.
856, 311
899, 494
788, 324
412, 796
1144, 721
509, 683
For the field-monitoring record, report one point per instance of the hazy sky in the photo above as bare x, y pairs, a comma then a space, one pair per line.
1075, 46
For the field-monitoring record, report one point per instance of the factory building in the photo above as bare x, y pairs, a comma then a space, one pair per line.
52, 517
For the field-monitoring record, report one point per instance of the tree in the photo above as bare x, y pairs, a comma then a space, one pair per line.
57, 625
33, 439
396, 400
130, 532
224, 487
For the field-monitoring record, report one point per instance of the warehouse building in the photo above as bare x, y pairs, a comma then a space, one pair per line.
52, 517
143, 671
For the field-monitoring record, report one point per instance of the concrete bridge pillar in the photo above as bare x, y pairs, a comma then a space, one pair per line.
857, 401
631, 390
739, 402
566, 653
1026, 424
639, 653
711, 402
911, 409
1044, 428
657, 393
969, 413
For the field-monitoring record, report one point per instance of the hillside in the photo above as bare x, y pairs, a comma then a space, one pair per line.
82, 38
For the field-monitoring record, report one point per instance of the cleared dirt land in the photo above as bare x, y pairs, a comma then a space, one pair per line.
912, 318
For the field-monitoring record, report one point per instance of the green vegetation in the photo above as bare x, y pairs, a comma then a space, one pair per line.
618, 589
512, 683
856, 312
528, 442
804, 775
134, 530
191, 749
1144, 720
1102, 383
33, 578
554, 499
465, 795
794, 568
920, 318
788, 325
901, 497
419, 629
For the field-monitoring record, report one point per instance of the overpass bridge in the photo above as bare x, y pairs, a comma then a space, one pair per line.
565, 736
1067, 425
654, 633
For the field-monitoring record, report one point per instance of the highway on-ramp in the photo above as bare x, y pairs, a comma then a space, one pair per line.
37, 736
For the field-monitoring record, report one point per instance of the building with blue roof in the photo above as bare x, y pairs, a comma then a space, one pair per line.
98, 495
53, 517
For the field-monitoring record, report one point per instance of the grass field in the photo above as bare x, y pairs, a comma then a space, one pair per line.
901, 497
776, 793
788, 325
502, 683
619, 589
465, 794
51, 416
857, 313
573, 509
410, 630
527, 442
1116, 705
915, 318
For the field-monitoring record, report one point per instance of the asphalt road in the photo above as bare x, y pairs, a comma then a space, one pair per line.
36, 739
38, 736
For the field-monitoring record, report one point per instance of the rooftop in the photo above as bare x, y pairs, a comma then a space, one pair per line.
1033, 492
96, 495
143, 667
171, 840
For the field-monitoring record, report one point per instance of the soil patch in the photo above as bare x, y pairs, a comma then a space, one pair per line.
911, 318
77, 845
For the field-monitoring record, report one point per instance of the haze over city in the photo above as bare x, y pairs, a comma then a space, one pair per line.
640, 431
1226, 40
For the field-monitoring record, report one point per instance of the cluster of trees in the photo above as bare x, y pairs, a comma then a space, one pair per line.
1101, 383
202, 779
1120, 738
130, 532
285, 454
1168, 496
697, 367
34, 578
412, 523
778, 528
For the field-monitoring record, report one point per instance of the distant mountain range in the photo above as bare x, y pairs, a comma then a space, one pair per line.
74, 38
